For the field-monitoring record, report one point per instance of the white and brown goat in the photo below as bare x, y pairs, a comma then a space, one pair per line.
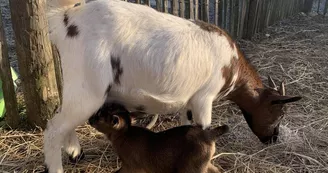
149, 62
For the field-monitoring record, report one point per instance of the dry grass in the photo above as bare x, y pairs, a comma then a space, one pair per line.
296, 50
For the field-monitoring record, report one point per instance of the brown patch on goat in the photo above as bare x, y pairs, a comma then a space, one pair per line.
247, 75
72, 31
117, 69
180, 149
213, 28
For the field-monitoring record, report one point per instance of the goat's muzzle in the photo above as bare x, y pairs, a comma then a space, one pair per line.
271, 139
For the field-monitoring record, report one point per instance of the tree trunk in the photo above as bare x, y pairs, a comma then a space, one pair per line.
12, 116
58, 71
35, 60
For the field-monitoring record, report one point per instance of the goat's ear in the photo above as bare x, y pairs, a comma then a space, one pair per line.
285, 99
117, 122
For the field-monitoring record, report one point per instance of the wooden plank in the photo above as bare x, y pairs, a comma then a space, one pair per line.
36, 64
9, 95
158, 5
175, 7
216, 12
166, 6
182, 8
191, 9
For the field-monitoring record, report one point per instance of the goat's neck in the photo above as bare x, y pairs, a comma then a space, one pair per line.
244, 93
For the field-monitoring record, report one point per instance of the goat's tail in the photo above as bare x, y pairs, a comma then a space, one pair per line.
218, 131
53, 4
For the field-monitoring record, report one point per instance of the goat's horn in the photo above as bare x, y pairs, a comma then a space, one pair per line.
271, 83
282, 89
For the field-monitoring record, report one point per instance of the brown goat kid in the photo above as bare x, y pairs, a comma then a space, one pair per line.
184, 149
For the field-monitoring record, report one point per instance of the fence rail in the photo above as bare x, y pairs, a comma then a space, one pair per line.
240, 18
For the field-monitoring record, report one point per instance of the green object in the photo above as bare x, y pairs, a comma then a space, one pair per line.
2, 101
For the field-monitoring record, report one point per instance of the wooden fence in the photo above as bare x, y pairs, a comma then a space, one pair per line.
240, 18
40, 73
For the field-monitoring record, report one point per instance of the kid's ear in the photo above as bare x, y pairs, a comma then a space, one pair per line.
117, 122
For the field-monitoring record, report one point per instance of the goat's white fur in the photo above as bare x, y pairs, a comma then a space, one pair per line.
169, 64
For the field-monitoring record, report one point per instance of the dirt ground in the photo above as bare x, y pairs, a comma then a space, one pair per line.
295, 49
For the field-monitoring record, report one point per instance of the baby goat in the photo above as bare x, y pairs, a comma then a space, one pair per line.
181, 149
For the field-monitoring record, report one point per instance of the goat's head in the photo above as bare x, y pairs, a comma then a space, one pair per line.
265, 117
110, 117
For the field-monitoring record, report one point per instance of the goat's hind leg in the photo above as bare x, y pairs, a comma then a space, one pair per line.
73, 148
61, 127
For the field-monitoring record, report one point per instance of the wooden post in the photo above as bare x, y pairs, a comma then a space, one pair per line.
236, 18
308, 6
147, 2
175, 7
35, 59
201, 7
196, 9
216, 12
158, 5
182, 8
253, 7
191, 9
224, 14
318, 10
138, 1
220, 11
228, 16
247, 3
166, 6
326, 7
12, 116
206, 11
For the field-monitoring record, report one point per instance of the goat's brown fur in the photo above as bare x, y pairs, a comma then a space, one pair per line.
184, 149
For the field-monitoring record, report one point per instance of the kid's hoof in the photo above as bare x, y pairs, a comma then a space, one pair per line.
77, 158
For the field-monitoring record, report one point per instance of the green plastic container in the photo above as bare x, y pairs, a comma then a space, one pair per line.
2, 101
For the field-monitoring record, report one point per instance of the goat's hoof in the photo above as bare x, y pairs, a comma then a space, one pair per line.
77, 158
